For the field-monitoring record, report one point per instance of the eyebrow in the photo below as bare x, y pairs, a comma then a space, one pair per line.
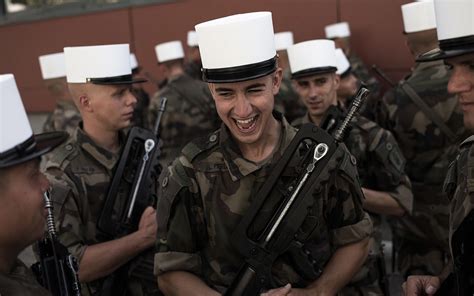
120, 90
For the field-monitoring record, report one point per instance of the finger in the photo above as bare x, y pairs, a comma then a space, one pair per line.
432, 286
404, 288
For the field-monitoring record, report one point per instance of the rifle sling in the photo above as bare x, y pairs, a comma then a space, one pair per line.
429, 112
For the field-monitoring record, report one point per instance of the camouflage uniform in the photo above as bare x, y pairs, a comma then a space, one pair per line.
65, 117
193, 69
140, 113
459, 186
80, 172
207, 190
20, 282
287, 101
380, 166
190, 113
422, 238
372, 104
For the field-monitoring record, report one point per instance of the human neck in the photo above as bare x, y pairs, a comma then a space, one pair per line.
7, 260
175, 71
261, 150
107, 139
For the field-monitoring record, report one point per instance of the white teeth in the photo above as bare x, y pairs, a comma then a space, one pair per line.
245, 121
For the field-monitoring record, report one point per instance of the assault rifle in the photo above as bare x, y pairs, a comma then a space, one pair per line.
57, 268
273, 219
130, 193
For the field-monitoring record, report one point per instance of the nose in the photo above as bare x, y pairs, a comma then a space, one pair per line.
130, 98
243, 107
459, 82
313, 91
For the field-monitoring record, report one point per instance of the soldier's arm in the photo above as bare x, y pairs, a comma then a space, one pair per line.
95, 260
350, 228
393, 195
177, 260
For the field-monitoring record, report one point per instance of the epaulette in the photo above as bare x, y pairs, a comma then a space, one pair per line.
468, 141
61, 154
199, 145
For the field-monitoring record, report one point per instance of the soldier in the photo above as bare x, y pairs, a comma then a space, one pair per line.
286, 101
457, 51
194, 64
190, 112
65, 116
207, 190
380, 163
348, 82
341, 34
429, 145
140, 113
22, 185
99, 78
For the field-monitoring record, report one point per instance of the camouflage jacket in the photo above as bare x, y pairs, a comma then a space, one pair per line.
206, 192
65, 117
380, 163
287, 101
193, 69
190, 113
20, 282
80, 172
140, 113
427, 149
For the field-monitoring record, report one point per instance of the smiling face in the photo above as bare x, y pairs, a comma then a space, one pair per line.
318, 92
22, 212
461, 83
109, 105
246, 107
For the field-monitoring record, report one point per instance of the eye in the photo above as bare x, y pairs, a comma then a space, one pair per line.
255, 90
303, 84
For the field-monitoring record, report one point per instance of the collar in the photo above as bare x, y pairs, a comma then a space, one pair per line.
240, 167
103, 156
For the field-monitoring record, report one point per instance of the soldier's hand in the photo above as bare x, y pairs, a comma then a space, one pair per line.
282, 291
148, 226
421, 285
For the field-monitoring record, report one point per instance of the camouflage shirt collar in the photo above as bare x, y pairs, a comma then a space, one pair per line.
426, 65
240, 167
103, 156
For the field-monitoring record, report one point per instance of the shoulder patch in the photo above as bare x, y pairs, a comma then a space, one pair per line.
199, 145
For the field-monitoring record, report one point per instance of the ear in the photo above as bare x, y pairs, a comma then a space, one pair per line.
337, 80
85, 103
277, 77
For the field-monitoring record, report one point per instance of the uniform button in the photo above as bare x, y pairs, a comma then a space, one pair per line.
165, 182
68, 147
212, 138
389, 146
353, 160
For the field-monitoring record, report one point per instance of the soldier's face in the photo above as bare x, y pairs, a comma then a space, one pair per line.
111, 105
318, 92
348, 86
246, 107
22, 214
461, 83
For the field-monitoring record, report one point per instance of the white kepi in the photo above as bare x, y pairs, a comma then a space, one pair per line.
192, 39
418, 16
337, 30
169, 51
343, 65
133, 61
244, 50
17, 142
283, 40
99, 64
455, 28
312, 57
52, 65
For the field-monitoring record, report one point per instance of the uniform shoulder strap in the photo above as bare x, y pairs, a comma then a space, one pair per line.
198, 146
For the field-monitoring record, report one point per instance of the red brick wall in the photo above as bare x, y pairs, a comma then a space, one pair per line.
376, 27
